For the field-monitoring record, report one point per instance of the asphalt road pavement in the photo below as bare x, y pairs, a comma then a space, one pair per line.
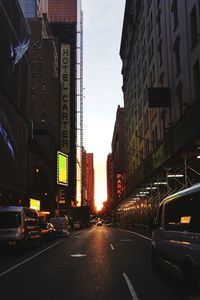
99, 263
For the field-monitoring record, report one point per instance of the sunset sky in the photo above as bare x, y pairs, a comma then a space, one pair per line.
102, 29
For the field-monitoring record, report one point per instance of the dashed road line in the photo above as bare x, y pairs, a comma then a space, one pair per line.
78, 255
131, 288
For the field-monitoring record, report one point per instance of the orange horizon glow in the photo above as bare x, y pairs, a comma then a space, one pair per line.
100, 195
100, 188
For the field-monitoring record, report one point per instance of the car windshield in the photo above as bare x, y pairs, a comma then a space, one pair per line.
9, 219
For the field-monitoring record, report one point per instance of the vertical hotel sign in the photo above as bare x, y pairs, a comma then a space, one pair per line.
65, 98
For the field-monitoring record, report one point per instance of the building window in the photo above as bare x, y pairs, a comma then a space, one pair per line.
32, 104
155, 136
175, 13
160, 59
177, 55
39, 76
163, 119
193, 27
158, 23
150, 25
39, 67
151, 50
149, 2
179, 97
147, 147
43, 123
39, 55
39, 45
153, 74
196, 76
161, 79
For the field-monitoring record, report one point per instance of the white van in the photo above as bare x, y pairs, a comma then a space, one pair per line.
19, 226
176, 235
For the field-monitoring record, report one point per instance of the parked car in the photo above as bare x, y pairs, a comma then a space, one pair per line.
19, 226
48, 231
61, 225
176, 236
99, 223
93, 222
78, 225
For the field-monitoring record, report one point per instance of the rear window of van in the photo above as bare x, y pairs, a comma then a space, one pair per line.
10, 219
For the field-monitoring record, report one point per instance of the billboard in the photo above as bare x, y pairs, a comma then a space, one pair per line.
65, 98
35, 204
62, 168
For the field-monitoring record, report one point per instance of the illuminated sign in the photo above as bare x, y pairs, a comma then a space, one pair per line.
65, 98
35, 204
119, 184
62, 168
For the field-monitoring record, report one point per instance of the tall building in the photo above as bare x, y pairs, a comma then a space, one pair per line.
14, 82
43, 108
160, 52
44, 114
89, 176
63, 17
118, 157
109, 176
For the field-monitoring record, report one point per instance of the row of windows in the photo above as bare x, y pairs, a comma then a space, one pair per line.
43, 102
194, 39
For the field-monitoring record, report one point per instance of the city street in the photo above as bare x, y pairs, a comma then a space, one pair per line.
96, 263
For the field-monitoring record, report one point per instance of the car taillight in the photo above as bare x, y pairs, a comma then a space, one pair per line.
23, 230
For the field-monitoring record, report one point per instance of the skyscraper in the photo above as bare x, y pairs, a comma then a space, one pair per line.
62, 15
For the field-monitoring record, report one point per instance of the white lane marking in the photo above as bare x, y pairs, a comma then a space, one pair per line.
26, 260
131, 288
111, 246
78, 255
136, 234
